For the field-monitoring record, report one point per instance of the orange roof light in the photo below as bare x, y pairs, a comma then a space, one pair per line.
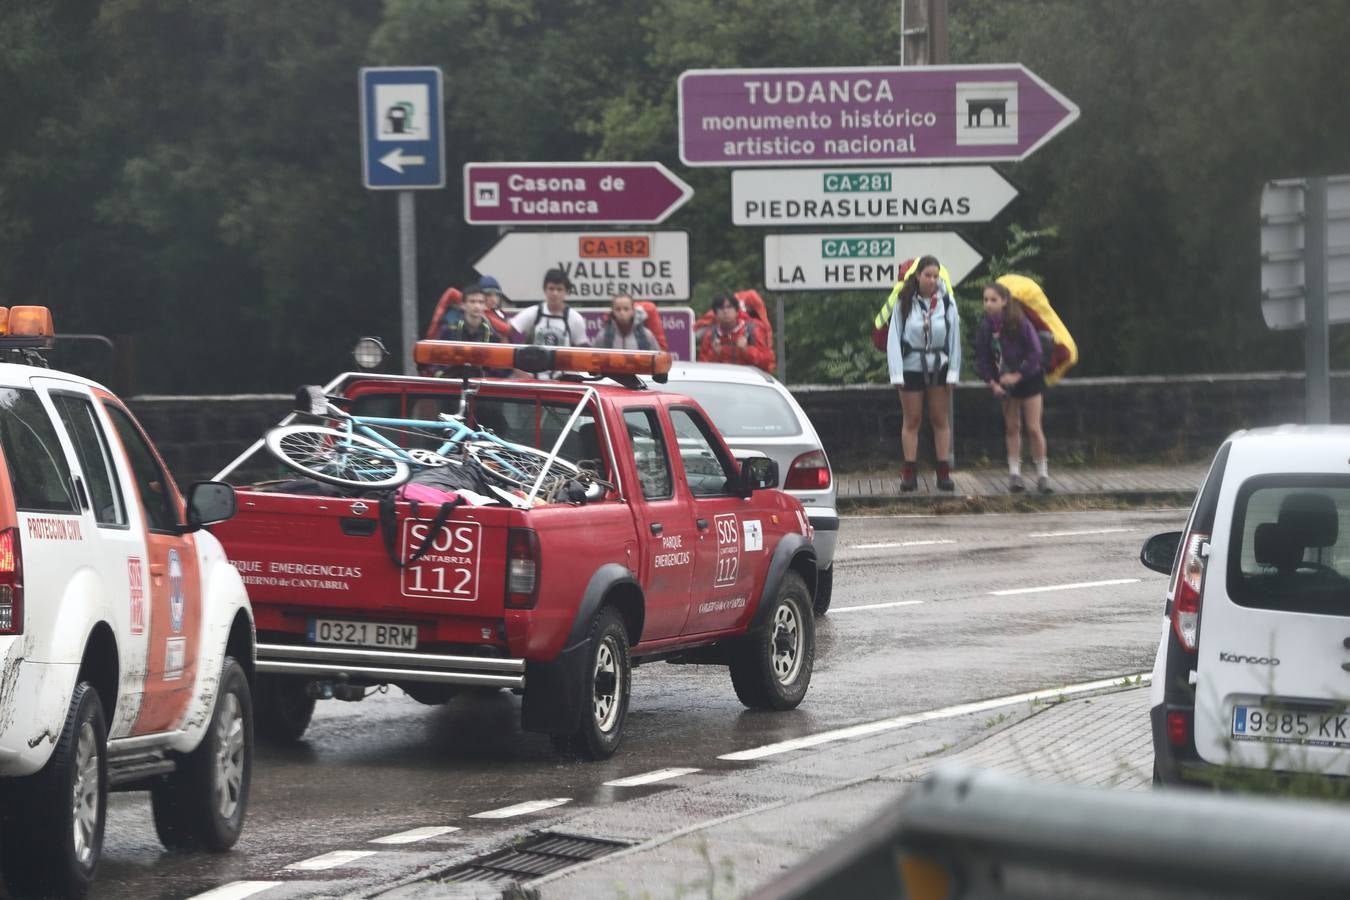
4, 320
30, 322
531, 358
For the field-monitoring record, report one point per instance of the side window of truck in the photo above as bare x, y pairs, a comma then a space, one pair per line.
151, 480
38, 472
705, 469
91, 447
649, 453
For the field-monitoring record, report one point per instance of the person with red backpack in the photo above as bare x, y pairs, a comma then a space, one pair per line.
734, 337
624, 327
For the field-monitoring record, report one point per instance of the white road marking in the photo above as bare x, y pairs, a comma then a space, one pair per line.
331, 860
236, 890
886, 545
521, 809
650, 777
841, 609
1078, 533
949, 712
414, 835
1063, 587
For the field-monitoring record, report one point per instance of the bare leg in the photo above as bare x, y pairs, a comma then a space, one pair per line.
1031, 411
939, 402
1012, 426
911, 407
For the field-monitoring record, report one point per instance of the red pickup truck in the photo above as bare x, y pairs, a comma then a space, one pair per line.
681, 553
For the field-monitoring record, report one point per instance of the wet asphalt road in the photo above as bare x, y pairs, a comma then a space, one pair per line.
375, 768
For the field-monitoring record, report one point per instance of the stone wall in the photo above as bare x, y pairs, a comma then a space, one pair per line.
1087, 420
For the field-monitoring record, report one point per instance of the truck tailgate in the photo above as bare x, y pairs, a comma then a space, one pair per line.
304, 556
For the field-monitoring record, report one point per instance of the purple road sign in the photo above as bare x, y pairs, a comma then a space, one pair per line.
775, 117
559, 193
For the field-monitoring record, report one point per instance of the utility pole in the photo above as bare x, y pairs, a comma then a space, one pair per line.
923, 32
923, 42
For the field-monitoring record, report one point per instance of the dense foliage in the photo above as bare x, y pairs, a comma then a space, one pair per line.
185, 176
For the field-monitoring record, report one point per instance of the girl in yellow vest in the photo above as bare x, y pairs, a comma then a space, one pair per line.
923, 351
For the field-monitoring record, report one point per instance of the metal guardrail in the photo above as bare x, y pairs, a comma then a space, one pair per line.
963, 833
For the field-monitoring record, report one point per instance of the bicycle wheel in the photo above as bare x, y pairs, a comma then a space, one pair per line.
335, 457
519, 466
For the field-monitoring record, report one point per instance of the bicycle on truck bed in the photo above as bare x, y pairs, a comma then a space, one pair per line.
357, 454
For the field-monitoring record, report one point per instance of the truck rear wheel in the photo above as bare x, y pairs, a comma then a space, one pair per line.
57, 850
606, 686
203, 803
283, 708
771, 667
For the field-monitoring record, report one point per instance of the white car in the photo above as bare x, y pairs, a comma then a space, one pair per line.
754, 411
1253, 669
126, 638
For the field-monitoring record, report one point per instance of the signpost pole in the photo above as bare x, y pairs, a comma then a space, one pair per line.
407, 263
780, 339
1315, 302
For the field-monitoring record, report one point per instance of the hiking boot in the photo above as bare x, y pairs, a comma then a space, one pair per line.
909, 478
1015, 485
944, 478
1043, 485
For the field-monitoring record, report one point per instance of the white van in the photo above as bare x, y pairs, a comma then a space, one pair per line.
1253, 669
126, 638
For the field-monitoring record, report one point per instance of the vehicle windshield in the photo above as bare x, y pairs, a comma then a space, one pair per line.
743, 410
1291, 545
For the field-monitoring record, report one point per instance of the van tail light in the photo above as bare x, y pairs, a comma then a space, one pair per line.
11, 582
808, 472
1186, 596
522, 568
1178, 727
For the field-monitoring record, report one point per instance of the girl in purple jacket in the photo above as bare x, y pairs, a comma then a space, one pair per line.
1008, 359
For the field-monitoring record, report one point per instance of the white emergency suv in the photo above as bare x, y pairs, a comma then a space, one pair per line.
126, 637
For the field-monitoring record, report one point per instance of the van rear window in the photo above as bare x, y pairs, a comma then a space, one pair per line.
1290, 547
38, 471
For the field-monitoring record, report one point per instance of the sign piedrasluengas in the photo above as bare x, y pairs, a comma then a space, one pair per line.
877, 195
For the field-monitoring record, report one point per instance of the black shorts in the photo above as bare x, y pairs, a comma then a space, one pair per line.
914, 381
1028, 387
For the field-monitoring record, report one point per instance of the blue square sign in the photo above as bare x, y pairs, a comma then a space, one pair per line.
402, 128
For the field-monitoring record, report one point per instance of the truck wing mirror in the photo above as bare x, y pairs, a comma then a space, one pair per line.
209, 502
757, 473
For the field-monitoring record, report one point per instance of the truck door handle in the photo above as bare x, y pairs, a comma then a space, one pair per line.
655, 527
701, 523
1346, 643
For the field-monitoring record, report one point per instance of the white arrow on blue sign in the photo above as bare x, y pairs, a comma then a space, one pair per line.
402, 128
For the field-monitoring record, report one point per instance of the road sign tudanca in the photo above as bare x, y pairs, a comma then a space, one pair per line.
765, 117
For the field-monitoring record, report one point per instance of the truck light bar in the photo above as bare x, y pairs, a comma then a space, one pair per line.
26, 327
530, 358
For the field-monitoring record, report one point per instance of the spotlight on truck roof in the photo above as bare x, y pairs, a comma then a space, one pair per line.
369, 352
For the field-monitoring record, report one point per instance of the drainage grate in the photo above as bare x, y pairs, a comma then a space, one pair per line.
536, 857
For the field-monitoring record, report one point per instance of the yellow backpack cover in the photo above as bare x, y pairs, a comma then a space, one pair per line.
1065, 353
